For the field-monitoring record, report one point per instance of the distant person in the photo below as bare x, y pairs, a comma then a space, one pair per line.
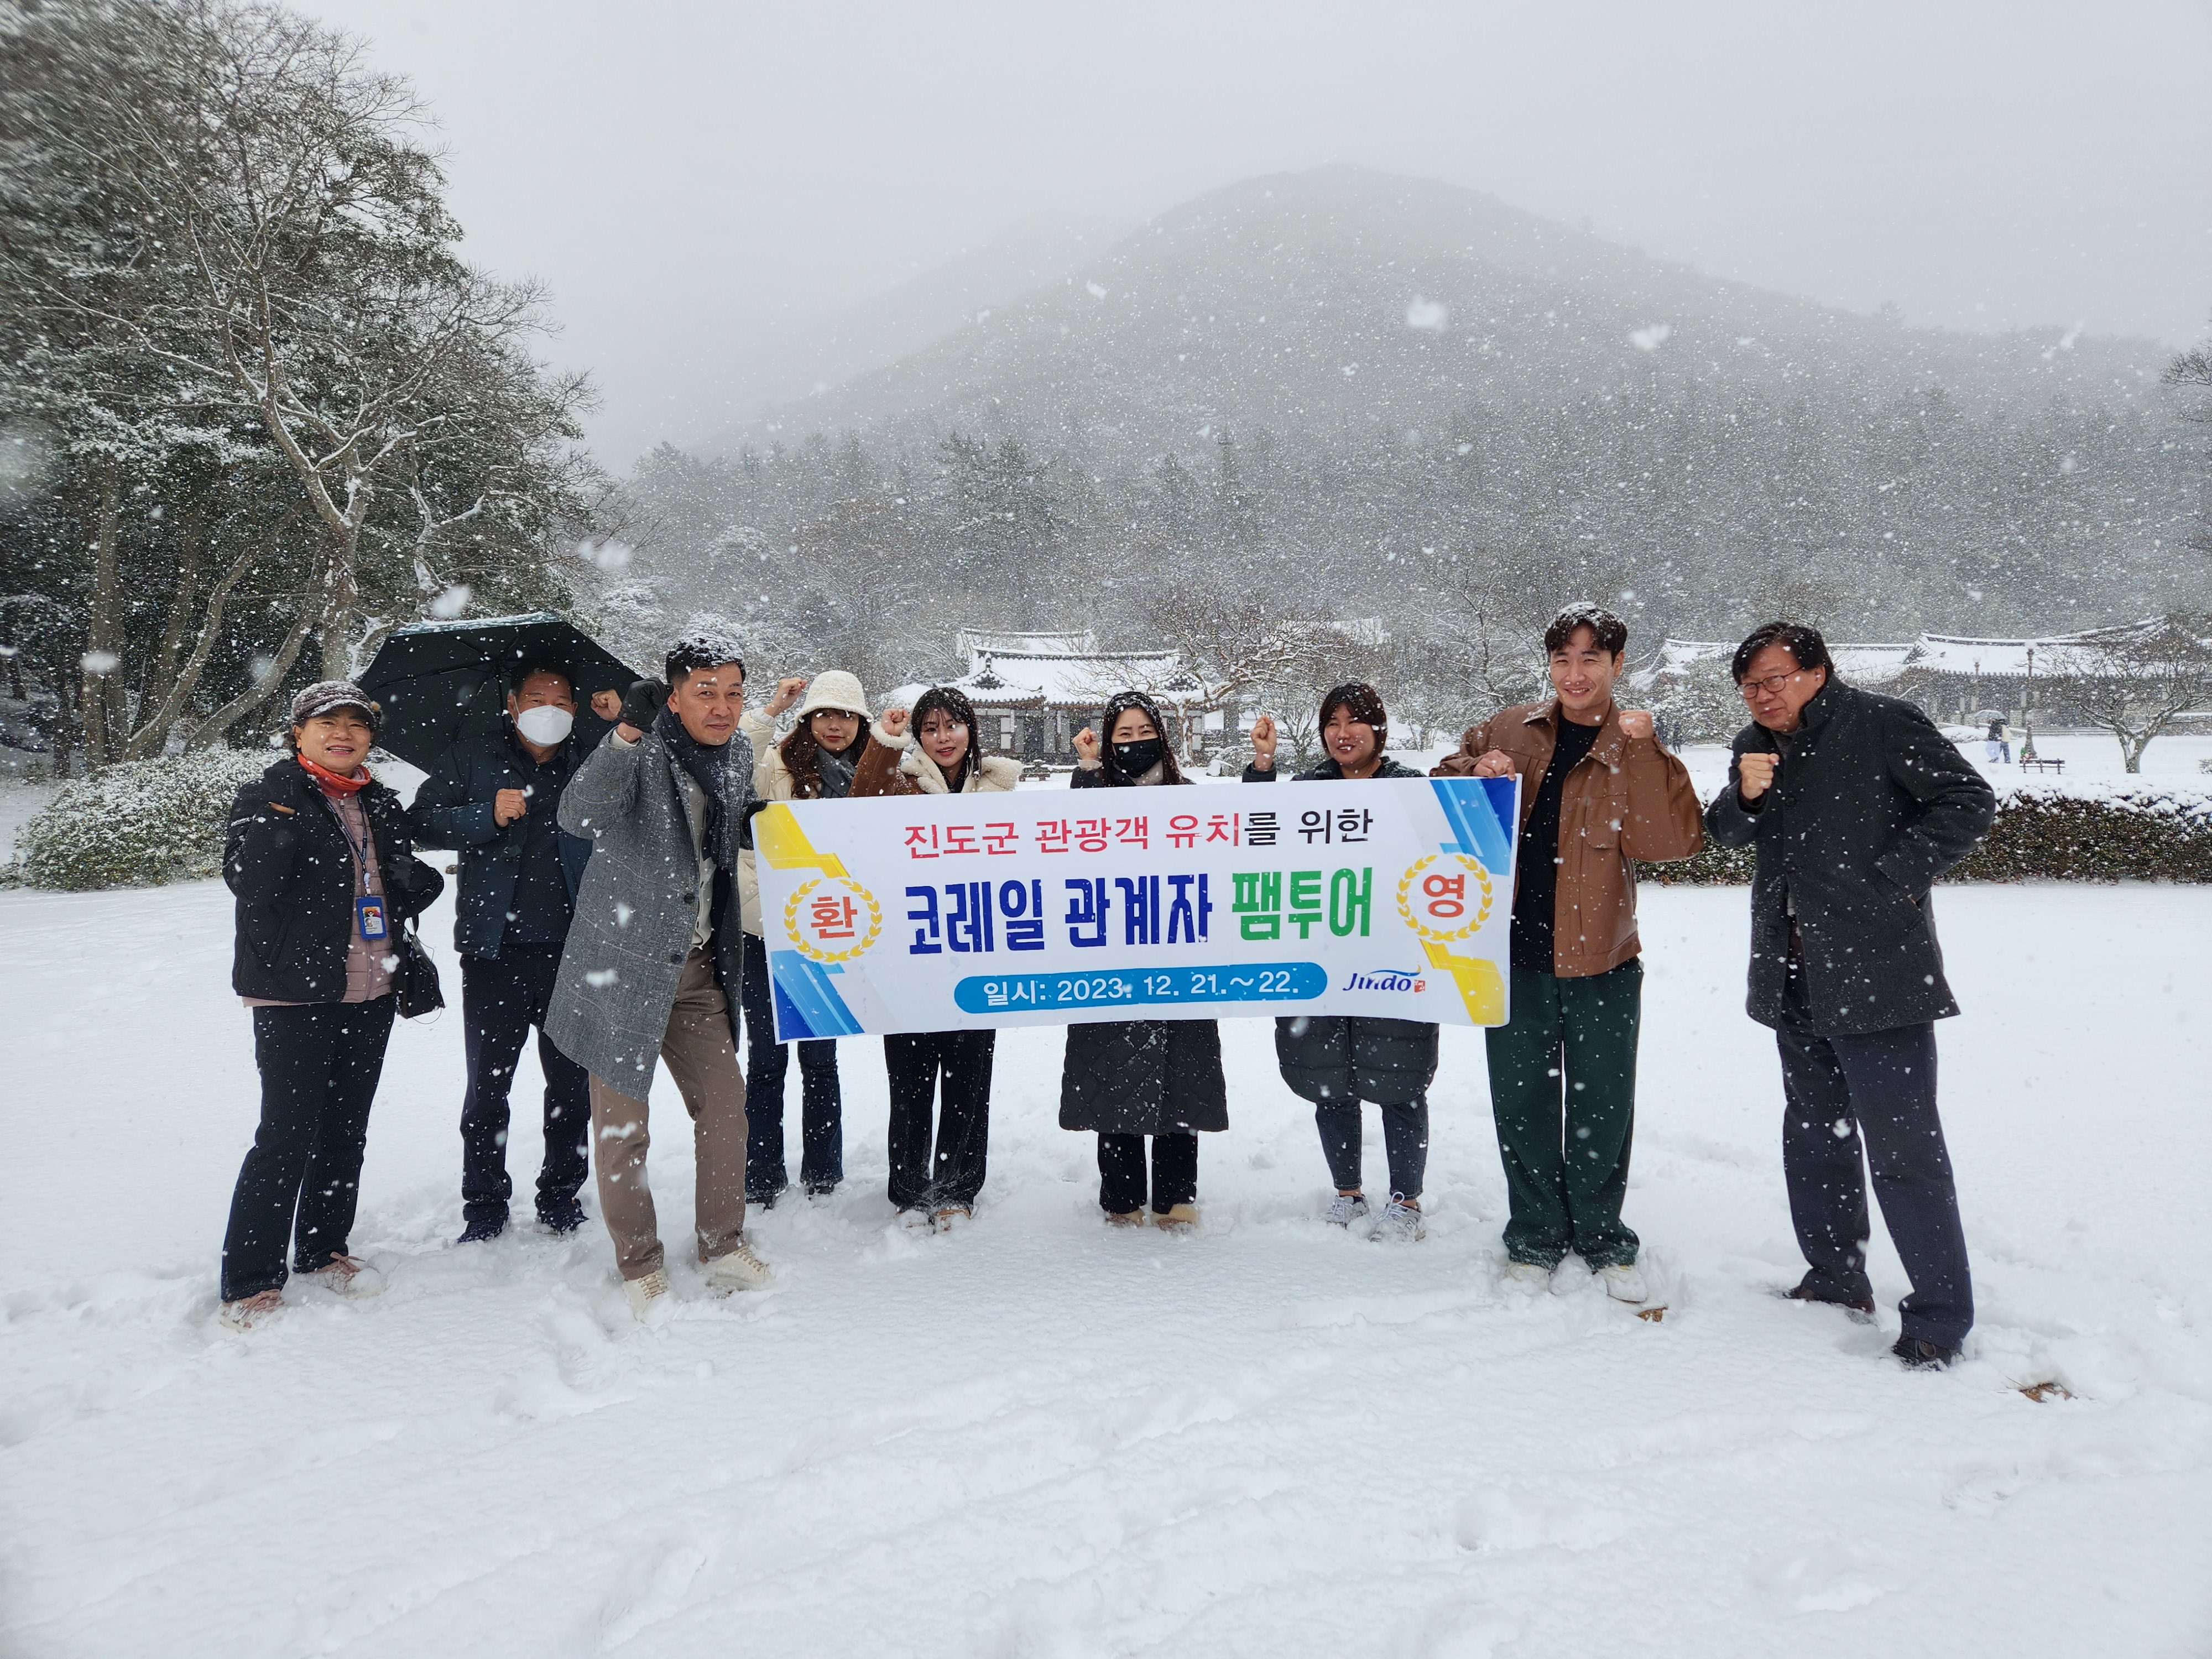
1337, 1060
655, 950
1855, 802
1597, 792
815, 762
938, 1189
1125, 1079
319, 855
1998, 750
496, 798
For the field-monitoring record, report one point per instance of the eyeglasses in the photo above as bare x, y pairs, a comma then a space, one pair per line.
1771, 684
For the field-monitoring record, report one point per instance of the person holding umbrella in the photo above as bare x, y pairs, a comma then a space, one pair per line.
317, 854
496, 798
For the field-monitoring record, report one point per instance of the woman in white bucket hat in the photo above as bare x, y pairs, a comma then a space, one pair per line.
814, 761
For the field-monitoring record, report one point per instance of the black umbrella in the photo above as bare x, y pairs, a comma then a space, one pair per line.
440, 681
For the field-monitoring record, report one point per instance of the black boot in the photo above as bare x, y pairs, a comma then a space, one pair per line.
1919, 1354
1799, 1293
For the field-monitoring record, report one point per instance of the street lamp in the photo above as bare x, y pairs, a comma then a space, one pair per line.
2027, 715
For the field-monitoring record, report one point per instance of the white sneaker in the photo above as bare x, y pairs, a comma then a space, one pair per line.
347, 1275
1401, 1225
1623, 1282
737, 1270
249, 1312
1347, 1208
1526, 1276
649, 1297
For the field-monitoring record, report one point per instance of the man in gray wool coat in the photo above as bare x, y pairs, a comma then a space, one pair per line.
656, 952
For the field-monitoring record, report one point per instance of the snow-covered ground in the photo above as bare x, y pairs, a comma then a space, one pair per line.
1038, 1436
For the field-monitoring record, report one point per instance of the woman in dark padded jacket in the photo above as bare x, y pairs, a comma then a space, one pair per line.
1337, 1060
320, 858
1128, 1079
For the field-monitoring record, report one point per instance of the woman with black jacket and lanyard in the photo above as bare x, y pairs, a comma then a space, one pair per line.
320, 858
1337, 1060
1128, 1079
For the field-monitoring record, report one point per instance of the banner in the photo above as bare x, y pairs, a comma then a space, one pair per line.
1049, 907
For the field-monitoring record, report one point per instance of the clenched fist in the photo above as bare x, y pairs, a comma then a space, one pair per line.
510, 805
787, 692
894, 721
1086, 746
1754, 772
1263, 744
1635, 723
607, 705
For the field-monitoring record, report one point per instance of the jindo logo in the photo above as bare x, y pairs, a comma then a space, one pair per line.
1384, 979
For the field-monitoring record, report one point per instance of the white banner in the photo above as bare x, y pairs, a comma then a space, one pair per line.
1042, 907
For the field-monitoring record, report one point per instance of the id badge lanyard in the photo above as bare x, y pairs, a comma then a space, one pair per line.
367, 907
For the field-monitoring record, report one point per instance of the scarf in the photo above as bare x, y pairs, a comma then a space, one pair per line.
835, 771
709, 770
332, 783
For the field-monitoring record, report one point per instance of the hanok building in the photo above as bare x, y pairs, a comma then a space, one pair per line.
1955, 678
1034, 691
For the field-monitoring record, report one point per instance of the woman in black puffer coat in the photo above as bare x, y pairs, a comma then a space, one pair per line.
321, 860
1125, 1079
1337, 1060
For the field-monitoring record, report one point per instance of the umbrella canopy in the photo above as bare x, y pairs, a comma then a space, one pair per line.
1991, 714
441, 681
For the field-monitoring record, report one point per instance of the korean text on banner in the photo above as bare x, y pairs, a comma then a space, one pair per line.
931, 913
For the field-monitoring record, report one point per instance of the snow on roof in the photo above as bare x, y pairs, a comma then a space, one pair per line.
1076, 681
1868, 664
1963, 655
1072, 642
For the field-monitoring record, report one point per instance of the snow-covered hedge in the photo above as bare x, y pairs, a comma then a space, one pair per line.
2137, 832
138, 825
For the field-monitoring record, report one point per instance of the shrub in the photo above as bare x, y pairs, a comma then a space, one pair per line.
138, 824
2132, 833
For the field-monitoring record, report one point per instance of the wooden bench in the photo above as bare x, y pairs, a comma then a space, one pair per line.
2042, 765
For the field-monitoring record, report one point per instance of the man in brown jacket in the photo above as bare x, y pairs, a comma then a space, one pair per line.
1596, 791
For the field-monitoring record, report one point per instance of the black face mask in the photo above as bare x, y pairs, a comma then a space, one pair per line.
1135, 759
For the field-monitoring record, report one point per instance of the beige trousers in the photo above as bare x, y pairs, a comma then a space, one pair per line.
703, 1061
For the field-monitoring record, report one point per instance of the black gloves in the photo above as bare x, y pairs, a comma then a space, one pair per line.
641, 707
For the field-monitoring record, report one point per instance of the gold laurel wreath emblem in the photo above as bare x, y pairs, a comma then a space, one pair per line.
810, 947
1436, 935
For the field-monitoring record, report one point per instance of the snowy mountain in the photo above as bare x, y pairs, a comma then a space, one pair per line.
802, 360
1342, 303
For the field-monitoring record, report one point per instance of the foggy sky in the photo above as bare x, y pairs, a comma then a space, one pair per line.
693, 179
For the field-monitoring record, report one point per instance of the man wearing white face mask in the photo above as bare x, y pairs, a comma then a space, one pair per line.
495, 799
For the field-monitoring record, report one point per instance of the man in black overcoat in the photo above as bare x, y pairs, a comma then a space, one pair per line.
1855, 804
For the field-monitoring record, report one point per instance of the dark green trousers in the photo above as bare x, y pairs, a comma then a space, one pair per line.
1562, 1089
